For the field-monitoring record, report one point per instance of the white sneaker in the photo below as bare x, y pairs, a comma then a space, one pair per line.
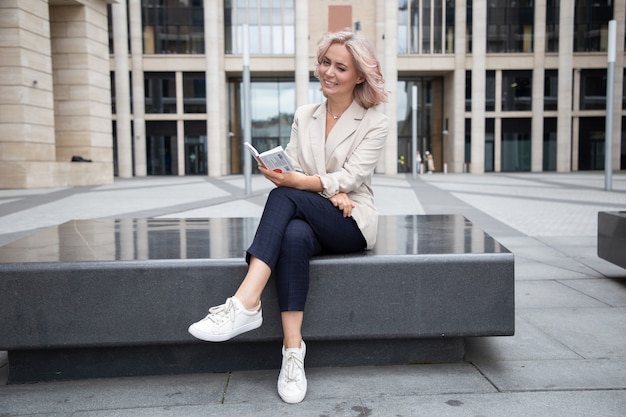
291, 380
227, 321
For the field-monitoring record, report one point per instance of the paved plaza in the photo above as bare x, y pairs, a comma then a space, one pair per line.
567, 358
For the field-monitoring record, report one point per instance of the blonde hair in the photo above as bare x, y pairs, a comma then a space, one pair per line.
371, 91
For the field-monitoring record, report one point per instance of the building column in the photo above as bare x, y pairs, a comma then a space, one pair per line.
479, 47
27, 148
122, 90
138, 93
302, 53
454, 144
619, 13
390, 73
215, 79
536, 141
564, 118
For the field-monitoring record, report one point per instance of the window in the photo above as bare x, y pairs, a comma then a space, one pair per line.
510, 25
516, 145
593, 89
468, 27
194, 92
552, 26
468, 90
549, 144
160, 89
425, 27
516, 90
591, 25
551, 90
490, 90
271, 26
173, 26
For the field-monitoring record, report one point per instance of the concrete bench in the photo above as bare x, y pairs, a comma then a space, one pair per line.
114, 297
612, 237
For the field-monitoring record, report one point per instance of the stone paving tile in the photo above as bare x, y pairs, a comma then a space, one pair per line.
557, 375
590, 332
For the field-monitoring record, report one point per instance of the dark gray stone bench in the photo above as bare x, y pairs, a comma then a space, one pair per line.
100, 298
612, 237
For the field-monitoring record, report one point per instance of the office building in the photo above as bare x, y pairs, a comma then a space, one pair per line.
155, 87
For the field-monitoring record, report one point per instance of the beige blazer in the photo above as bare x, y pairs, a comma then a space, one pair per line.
345, 162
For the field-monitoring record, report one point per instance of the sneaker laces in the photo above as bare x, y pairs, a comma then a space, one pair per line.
221, 313
294, 367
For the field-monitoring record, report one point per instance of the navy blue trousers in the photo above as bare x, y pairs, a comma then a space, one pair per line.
295, 226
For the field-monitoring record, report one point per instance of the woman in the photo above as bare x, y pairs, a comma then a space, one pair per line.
325, 206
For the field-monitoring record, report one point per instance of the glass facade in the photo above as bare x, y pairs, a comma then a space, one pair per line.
593, 89
173, 26
425, 27
516, 90
591, 25
591, 141
552, 26
424, 136
160, 90
510, 25
161, 148
273, 104
551, 90
176, 120
515, 145
271, 25
196, 148
194, 92
549, 144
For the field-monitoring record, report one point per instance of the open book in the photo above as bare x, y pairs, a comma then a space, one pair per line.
273, 159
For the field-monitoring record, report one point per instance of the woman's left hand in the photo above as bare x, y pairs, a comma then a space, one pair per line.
343, 203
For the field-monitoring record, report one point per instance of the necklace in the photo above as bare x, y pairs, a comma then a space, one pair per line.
331, 113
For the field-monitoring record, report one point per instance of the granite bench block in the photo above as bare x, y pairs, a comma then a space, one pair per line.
612, 237
115, 297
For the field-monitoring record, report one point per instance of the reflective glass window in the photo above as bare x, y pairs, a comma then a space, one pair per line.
551, 90
591, 25
160, 89
552, 26
271, 26
510, 25
490, 90
516, 90
173, 26
194, 92
515, 145
425, 27
549, 144
593, 89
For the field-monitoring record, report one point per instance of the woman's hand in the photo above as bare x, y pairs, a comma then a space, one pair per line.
343, 203
282, 179
294, 179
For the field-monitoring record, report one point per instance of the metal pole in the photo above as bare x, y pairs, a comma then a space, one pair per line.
608, 144
414, 131
247, 117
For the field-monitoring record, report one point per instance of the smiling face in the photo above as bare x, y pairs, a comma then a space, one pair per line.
337, 73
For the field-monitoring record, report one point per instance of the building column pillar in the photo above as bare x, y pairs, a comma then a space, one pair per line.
302, 53
390, 73
122, 90
564, 118
215, 79
619, 13
539, 44
479, 46
455, 141
138, 93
